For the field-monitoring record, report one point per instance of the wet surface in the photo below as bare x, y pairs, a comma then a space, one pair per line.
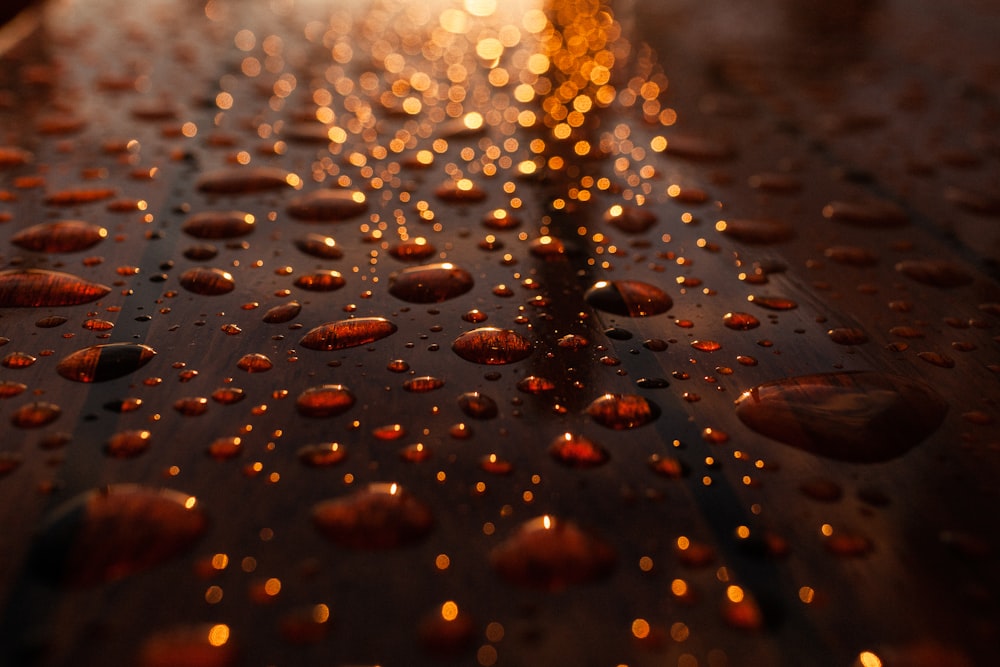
471, 332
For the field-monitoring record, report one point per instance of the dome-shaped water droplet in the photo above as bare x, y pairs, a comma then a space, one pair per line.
247, 180
492, 346
772, 302
322, 455
423, 384
35, 415
207, 282
861, 417
128, 444
325, 401
254, 362
319, 245
382, 516
851, 255
630, 219
110, 533
328, 206
413, 250
935, 272
847, 336
740, 321
285, 312
622, 411
577, 451
63, 236
321, 281
347, 333
477, 405
756, 231
189, 646
40, 287
871, 213
219, 224
628, 298
460, 191
430, 283
99, 363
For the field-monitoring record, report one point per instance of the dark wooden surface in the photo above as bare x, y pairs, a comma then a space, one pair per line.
770, 114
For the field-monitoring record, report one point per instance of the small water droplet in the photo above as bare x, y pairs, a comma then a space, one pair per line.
207, 282
219, 224
860, 417
628, 298
35, 415
551, 554
706, 345
225, 448
772, 302
285, 312
325, 401
430, 283
847, 336
577, 451
756, 231
501, 219
423, 384
413, 250
477, 405
492, 346
622, 411
189, 646
78, 196
39, 287
935, 272
63, 236
740, 321
668, 466
128, 444
322, 455
347, 333
191, 406
460, 192
318, 245
246, 180
110, 533
99, 363
328, 206
851, 255
937, 359
228, 395
382, 516
630, 219
10, 389
321, 281
254, 363
873, 213
534, 384
475, 316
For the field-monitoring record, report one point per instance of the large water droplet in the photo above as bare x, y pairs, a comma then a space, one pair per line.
551, 554
40, 287
110, 533
61, 236
492, 346
207, 282
347, 333
861, 417
623, 411
99, 363
383, 516
629, 298
219, 224
246, 180
326, 400
328, 206
430, 283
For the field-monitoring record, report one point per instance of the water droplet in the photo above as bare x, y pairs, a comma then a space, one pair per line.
693, 147
328, 206
246, 180
285, 312
851, 255
475, 316
630, 219
847, 336
40, 287
219, 224
628, 298
430, 283
347, 333
937, 359
935, 272
872, 213
318, 245
326, 400
12, 156
228, 395
189, 646
207, 282
460, 192
860, 417
322, 455
18, 360
254, 363
756, 231
423, 384
821, 489
477, 405
415, 453
321, 281
578, 451
382, 516
128, 444
225, 448
447, 630
99, 363
548, 248
201, 252
113, 532
848, 545
501, 219
63, 236
413, 250
706, 345
772, 302
668, 466
78, 196
191, 406
9, 389
492, 346
533, 384
35, 415
652, 383
740, 321
551, 554
622, 411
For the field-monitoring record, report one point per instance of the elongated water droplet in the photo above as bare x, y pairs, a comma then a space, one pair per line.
630, 219
247, 180
12, 156
78, 196
577, 451
18, 360
423, 384
756, 231
935, 272
285, 312
322, 455
861, 417
534, 384
347, 333
492, 346
740, 321
622, 411
321, 281
871, 213
478, 406
128, 444
328, 206
772, 302
35, 415
847, 336
219, 224
326, 400
207, 282
501, 219
413, 250
851, 255
99, 363
628, 298
228, 395
40, 287
430, 283
460, 191
382, 516
318, 245
63, 236
113, 532
551, 554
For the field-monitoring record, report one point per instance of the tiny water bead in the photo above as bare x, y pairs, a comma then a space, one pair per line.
628, 298
430, 283
100, 363
328, 206
551, 554
622, 411
207, 282
110, 533
381, 516
33, 288
219, 224
63, 236
577, 451
859, 417
492, 346
344, 334
325, 401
